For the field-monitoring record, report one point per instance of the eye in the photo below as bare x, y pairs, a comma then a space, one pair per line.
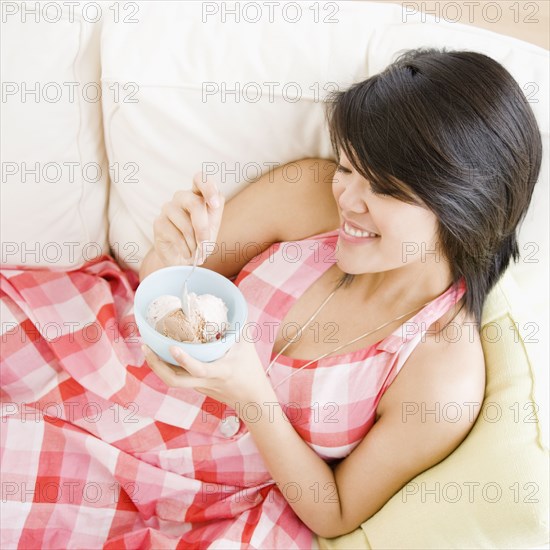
378, 193
343, 169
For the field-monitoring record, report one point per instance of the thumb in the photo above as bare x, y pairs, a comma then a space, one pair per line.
193, 366
215, 217
214, 222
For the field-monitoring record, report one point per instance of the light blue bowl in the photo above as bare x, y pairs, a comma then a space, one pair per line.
169, 280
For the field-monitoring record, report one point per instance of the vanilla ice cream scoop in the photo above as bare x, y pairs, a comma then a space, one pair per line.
207, 322
162, 306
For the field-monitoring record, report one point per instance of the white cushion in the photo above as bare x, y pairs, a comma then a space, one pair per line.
58, 217
174, 60
174, 132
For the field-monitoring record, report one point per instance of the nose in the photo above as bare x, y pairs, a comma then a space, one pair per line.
350, 200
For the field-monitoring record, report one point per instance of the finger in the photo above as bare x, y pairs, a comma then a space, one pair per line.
205, 186
180, 220
174, 377
165, 231
194, 367
160, 368
195, 206
215, 218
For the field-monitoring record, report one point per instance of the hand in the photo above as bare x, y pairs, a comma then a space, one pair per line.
235, 379
190, 218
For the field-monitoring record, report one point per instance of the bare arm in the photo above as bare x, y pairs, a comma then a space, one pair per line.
272, 209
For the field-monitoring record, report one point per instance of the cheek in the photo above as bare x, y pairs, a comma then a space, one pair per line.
418, 227
404, 223
336, 189
426, 226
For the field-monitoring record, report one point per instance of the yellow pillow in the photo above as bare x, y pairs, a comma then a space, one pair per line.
493, 489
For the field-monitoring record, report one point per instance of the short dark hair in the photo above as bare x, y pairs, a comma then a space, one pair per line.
452, 131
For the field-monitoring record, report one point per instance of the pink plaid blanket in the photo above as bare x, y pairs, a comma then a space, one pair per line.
96, 451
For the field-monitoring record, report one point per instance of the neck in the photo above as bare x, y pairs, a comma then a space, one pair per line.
395, 287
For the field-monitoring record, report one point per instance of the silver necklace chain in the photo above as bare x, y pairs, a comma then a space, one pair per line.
298, 333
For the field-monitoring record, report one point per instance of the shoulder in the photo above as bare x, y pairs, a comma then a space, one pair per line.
289, 203
424, 416
440, 388
308, 204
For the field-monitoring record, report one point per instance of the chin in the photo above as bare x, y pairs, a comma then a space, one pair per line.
351, 266
350, 269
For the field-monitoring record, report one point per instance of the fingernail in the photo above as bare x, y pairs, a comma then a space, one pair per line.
214, 202
177, 353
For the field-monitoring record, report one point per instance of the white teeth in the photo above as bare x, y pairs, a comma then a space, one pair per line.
356, 233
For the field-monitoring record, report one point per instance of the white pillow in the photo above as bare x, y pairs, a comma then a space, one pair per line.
181, 124
58, 217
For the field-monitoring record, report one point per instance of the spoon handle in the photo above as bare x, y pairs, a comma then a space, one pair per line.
196, 258
185, 295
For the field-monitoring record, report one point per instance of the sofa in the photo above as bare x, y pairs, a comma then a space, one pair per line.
108, 109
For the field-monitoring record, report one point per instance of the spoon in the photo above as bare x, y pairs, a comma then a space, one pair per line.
185, 296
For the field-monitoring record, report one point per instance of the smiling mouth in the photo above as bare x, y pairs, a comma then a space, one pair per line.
352, 232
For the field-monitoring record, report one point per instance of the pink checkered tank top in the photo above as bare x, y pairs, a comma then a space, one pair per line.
332, 402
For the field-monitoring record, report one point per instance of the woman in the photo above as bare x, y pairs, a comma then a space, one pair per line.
284, 437
438, 158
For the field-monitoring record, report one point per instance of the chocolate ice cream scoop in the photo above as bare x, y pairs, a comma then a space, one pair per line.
175, 325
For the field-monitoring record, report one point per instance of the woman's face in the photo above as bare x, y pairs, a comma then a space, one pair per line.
405, 233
